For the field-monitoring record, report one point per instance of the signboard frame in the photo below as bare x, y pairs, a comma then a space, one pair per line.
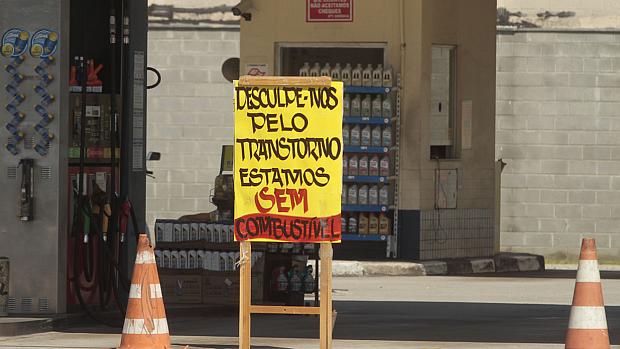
325, 308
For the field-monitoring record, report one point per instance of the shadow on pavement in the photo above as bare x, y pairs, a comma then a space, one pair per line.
400, 321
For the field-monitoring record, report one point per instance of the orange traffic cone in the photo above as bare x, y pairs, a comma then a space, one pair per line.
145, 325
587, 326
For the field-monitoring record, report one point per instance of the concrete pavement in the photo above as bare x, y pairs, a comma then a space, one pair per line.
509, 311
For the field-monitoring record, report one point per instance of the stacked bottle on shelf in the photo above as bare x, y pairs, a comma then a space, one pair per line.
173, 231
366, 224
368, 114
201, 259
368, 77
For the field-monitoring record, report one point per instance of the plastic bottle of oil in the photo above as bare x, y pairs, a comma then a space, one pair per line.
356, 106
315, 70
345, 165
377, 76
384, 224
352, 195
365, 136
353, 165
345, 74
362, 224
326, 70
367, 76
336, 73
346, 105
362, 195
373, 166
375, 136
354, 138
373, 195
367, 106
386, 108
352, 225
363, 166
388, 77
373, 224
356, 76
386, 137
305, 69
346, 135
377, 105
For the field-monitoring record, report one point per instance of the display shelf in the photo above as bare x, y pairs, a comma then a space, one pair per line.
367, 89
365, 149
365, 208
365, 179
366, 120
364, 237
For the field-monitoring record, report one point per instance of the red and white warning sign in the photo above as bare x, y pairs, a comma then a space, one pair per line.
329, 10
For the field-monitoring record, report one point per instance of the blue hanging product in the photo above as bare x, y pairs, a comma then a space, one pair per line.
46, 135
17, 119
17, 134
41, 148
19, 98
15, 80
46, 80
45, 62
12, 148
12, 90
11, 69
47, 100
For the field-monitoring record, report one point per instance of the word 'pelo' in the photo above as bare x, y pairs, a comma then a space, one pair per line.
253, 98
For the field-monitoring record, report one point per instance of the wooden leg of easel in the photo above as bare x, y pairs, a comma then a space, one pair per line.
325, 289
245, 294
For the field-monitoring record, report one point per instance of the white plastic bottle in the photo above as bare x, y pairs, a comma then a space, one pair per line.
183, 260
315, 70
354, 138
386, 108
363, 166
384, 166
375, 137
367, 76
367, 106
353, 165
200, 259
356, 106
346, 105
345, 74
167, 259
345, 165
159, 258
377, 105
208, 261
352, 195
373, 195
305, 69
343, 196
326, 70
386, 137
174, 260
346, 135
388, 76
384, 195
336, 73
365, 136
362, 195
377, 76
192, 259
202, 234
373, 166
356, 76
352, 225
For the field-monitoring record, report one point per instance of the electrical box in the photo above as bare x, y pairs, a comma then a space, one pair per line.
446, 188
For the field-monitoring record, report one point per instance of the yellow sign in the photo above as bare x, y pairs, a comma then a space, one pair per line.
288, 163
